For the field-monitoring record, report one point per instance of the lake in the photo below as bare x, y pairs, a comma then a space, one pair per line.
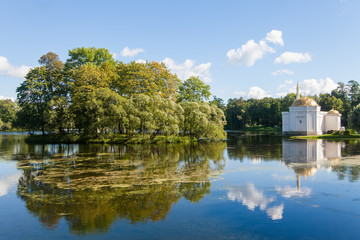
254, 186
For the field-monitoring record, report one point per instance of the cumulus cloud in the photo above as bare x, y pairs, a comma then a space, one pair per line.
249, 53
275, 213
249, 196
127, 52
289, 192
7, 182
254, 92
315, 86
252, 198
275, 36
290, 57
282, 71
308, 87
10, 70
188, 69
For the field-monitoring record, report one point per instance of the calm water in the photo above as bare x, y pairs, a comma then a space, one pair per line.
252, 187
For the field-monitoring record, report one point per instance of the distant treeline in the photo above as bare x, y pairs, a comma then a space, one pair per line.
267, 111
92, 94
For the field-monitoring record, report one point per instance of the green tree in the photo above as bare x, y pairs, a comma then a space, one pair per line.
58, 116
203, 120
287, 101
112, 113
92, 55
236, 113
194, 90
40, 86
219, 103
8, 111
354, 118
342, 93
328, 102
354, 92
150, 78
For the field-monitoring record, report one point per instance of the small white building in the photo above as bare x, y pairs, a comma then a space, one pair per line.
306, 118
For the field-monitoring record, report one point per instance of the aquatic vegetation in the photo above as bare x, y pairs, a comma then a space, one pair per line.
138, 183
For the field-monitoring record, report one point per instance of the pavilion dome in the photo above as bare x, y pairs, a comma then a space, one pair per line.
305, 101
333, 111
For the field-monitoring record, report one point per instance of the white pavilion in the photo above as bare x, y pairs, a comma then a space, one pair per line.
306, 118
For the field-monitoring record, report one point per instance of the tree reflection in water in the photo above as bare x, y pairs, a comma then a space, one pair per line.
92, 185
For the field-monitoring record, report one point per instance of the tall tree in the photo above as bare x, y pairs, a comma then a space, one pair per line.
354, 118
236, 113
92, 55
328, 102
150, 78
194, 90
342, 93
40, 86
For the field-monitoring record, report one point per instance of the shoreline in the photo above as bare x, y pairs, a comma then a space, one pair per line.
328, 136
116, 139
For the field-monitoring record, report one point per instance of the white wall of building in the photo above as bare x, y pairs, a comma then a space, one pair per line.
332, 122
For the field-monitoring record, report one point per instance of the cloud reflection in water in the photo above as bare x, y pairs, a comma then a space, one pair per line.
8, 182
251, 197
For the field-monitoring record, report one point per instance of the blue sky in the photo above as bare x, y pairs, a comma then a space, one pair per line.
240, 48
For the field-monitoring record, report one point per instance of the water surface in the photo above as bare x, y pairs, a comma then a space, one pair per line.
254, 186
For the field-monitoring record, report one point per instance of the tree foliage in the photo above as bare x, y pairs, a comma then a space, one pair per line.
93, 95
354, 118
194, 90
8, 111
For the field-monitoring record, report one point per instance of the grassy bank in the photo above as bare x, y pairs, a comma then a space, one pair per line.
118, 139
259, 129
328, 136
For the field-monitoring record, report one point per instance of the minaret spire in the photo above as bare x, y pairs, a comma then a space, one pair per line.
297, 91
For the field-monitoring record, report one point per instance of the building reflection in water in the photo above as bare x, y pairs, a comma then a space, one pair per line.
306, 156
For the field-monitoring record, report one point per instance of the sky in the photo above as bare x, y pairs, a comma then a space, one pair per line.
248, 48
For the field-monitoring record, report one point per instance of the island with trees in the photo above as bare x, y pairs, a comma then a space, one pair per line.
93, 98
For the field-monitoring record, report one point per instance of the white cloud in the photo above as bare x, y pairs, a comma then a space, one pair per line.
307, 87
315, 86
288, 192
282, 71
249, 196
7, 183
14, 71
252, 198
254, 92
127, 52
275, 213
188, 69
275, 36
258, 93
289, 57
249, 53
